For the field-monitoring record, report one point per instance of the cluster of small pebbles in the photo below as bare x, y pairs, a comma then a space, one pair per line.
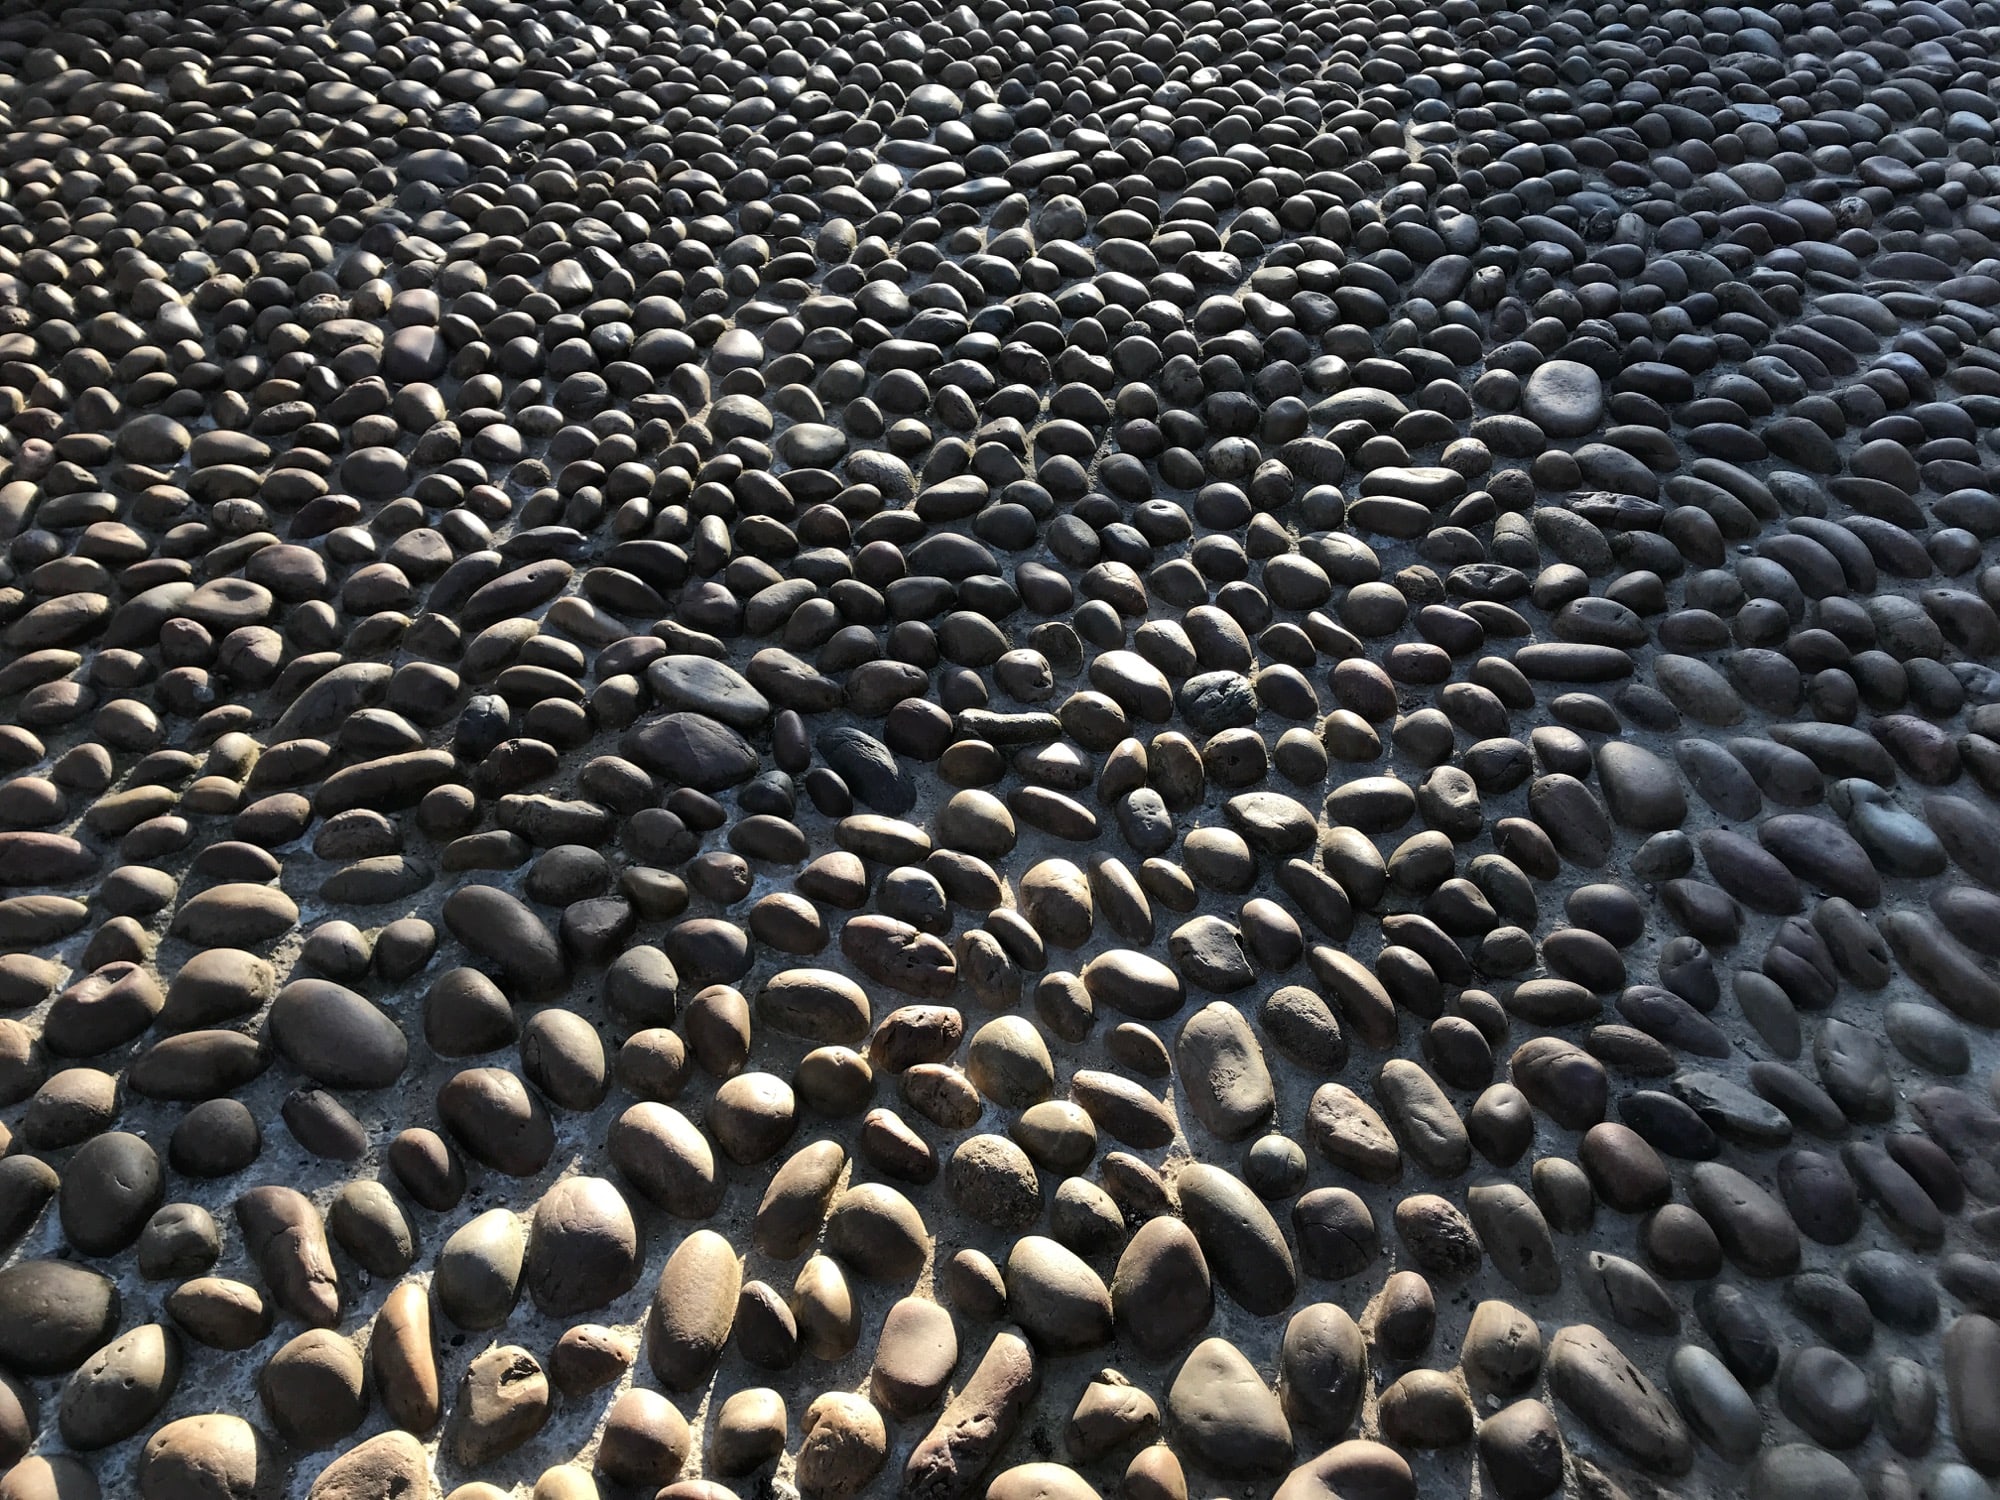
837, 749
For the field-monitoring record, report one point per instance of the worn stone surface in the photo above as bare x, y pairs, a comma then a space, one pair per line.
802, 680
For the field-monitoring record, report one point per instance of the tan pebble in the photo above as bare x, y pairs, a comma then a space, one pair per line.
843, 1446
659, 1151
1354, 1468
1057, 1135
829, 1319
914, 1357
795, 1204
1111, 1413
589, 1357
478, 1272
371, 1226
502, 1402
766, 1332
978, 1423
494, 1118
56, 1477
312, 1389
563, 1056
653, 1064
404, 1358
818, 1005
717, 1024
942, 1095
1009, 1063
1224, 1416
566, 1482
974, 1285
286, 1237
1155, 1474
645, 1440
836, 1081
1322, 1370
694, 1305
392, 1464
584, 1250
992, 1180
752, 1116
750, 1431
1161, 1290
1502, 1350
111, 1396
1404, 1316
1055, 898
1426, 1409
220, 1313
213, 1454
890, 1145
912, 1034
1040, 1482
1056, 1296
427, 1169
878, 1232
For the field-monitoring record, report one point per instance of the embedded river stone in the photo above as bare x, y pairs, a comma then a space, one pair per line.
968, 1437
53, 1315
1223, 1071
1089, 665
118, 1391
1594, 1379
1161, 1293
1228, 1418
1241, 1242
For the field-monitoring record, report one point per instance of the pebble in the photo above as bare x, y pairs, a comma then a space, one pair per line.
1111, 1414
645, 1440
1827, 1395
1426, 1409
583, 1250
389, 1463
1222, 1067
1227, 1419
1040, 1481
1242, 1244
1423, 1118
693, 1309
1906, 1405
1796, 1471
1971, 1351
1755, 1231
118, 1391
502, 1402
1357, 1466
1161, 1292
1591, 1376
402, 1359
1323, 1364
1056, 1298
914, 1358
575, 583
1502, 1351
312, 1389
977, 1424
220, 1313
843, 1445
53, 1315
213, 1453
479, 1268
1521, 1448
